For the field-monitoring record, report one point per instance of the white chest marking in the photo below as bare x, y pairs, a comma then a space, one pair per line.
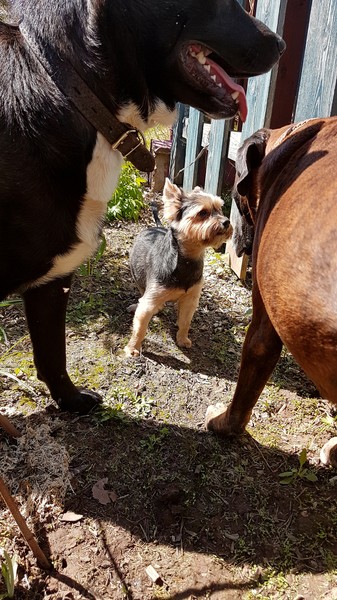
161, 115
102, 178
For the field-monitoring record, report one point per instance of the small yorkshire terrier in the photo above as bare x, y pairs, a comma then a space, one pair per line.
167, 264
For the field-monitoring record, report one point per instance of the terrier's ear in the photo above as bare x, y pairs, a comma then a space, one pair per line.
172, 197
171, 191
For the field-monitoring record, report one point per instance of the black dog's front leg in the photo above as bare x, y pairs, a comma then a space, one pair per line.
45, 312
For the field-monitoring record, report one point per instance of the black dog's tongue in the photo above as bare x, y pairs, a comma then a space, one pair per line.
234, 89
220, 78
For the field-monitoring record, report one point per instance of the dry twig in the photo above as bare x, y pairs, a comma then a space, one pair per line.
8, 427
27, 534
13, 507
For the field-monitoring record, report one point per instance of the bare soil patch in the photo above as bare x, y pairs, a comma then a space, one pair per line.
211, 516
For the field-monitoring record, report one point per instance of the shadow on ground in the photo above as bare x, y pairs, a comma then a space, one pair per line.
191, 492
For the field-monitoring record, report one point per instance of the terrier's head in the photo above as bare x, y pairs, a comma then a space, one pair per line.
196, 217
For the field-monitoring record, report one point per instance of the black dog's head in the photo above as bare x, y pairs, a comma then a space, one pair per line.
191, 50
217, 41
153, 53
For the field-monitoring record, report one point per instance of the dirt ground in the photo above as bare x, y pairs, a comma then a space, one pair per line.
140, 482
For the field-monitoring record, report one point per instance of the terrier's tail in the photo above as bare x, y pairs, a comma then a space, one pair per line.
154, 208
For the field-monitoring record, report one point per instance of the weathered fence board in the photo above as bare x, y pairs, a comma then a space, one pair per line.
193, 144
217, 152
318, 79
177, 158
260, 89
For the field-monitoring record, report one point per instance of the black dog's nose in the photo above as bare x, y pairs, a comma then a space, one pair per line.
226, 223
281, 45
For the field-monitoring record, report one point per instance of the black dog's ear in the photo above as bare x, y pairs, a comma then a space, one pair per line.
249, 158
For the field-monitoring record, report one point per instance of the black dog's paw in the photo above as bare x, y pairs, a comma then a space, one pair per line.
82, 402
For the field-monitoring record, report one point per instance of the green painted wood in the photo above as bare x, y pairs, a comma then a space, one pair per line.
193, 147
260, 89
217, 152
318, 79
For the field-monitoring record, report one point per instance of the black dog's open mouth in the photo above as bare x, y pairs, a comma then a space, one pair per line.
202, 66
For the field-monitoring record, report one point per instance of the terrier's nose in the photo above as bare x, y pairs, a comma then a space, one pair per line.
226, 223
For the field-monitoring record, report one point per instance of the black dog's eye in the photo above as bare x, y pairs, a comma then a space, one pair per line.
203, 213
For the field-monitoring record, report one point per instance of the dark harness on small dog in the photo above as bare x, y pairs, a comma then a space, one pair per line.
122, 137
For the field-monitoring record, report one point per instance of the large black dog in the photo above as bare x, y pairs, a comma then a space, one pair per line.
79, 79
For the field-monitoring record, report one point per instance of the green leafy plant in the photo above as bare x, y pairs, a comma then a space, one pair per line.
114, 406
108, 413
155, 439
143, 406
301, 472
329, 421
127, 201
9, 569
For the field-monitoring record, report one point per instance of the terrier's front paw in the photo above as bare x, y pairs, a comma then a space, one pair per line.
219, 420
183, 342
130, 351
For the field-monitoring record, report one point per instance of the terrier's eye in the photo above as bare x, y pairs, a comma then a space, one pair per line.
203, 213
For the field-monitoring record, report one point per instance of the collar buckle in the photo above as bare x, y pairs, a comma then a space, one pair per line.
122, 138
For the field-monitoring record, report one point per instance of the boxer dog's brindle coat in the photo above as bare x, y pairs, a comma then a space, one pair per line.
285, 191
128, 62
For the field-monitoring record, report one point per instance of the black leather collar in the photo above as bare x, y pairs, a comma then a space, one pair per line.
122, 137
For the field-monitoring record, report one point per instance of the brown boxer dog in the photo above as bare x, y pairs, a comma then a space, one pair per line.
286, 190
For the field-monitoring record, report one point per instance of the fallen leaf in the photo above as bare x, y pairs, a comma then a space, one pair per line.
101, 494
70, 517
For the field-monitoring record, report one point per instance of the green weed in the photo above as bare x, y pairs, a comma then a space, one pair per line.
8, 570
111, 409
155, 439
143, 406
329, 421
301, 472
